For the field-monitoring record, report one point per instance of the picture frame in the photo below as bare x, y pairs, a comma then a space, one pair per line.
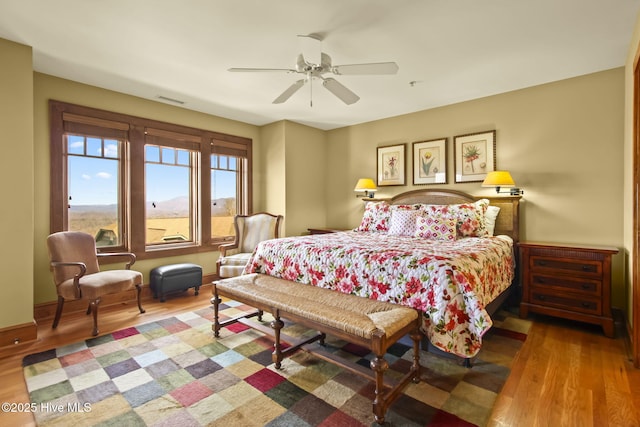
474, 156
430, 162
391, 168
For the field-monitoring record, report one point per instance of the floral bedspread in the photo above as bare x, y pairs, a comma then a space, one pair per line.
450, 282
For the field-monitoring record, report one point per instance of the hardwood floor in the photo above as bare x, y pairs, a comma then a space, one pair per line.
567, 374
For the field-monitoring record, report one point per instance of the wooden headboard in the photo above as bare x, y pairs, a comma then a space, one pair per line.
508, 219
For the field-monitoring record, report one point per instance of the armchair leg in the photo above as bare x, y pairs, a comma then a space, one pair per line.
56, 319
93, 306
139, 289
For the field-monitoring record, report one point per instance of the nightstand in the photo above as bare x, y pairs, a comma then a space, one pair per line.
325, 230
572, 282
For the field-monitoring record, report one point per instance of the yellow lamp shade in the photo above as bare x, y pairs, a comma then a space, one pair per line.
365, 184
498, 179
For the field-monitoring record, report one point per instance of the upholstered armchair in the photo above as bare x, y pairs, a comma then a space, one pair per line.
250, 230
76, 273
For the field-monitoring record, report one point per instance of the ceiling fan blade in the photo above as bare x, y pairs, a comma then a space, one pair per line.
341, 91
371, 68
311, 48
254, 70
289, 91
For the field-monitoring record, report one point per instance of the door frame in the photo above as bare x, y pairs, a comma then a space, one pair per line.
635, 262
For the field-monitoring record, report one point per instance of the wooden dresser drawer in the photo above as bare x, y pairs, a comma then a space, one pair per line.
567, 266
579, 285
572, 282
567, 302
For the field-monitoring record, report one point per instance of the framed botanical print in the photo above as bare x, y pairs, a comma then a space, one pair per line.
474, 155
430, 162
391, 165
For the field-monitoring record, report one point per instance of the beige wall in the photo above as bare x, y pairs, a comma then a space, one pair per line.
16, 176
306, 166
272, 183
562, 142
294, 165
47, 87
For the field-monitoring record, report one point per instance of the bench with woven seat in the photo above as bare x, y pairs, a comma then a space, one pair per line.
373, 324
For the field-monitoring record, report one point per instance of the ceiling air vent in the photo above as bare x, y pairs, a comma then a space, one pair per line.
175, 101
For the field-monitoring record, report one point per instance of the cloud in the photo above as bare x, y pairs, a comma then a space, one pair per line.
111, 150
77, 144
104, 175
86, 177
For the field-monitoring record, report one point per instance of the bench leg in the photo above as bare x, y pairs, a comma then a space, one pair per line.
277, 325
379, 366
216, 320
416, 336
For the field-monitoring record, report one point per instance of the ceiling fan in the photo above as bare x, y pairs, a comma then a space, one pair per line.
313, 63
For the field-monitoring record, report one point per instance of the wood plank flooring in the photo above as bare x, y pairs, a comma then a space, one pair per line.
567, 374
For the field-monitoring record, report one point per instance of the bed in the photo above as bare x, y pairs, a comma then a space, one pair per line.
427, 249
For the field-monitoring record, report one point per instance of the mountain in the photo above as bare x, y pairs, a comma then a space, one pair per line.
176, 207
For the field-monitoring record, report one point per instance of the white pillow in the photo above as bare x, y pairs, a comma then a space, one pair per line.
490, 218
403, 222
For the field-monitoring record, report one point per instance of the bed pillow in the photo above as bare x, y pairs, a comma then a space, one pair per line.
436, 227
376, 217
470, 217
490, 217
403, 222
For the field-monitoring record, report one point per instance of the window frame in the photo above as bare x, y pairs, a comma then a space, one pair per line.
136, 132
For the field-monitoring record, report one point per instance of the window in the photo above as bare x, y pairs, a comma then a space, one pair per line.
224, 198
94, 187
170, 184
153, 188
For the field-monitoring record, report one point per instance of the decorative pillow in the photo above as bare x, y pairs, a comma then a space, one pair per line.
436, 227
470, 217
490, 219
403, 222
376, 217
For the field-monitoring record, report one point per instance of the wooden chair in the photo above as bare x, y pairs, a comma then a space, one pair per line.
250, 230
76, 272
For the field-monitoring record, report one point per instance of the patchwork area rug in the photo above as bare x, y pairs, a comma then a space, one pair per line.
173, 372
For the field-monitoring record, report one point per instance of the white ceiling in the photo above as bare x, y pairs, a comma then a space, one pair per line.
455, 50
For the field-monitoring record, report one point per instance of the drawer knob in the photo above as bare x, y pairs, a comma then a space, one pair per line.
540, 297
587, 268
585, 286
586, 304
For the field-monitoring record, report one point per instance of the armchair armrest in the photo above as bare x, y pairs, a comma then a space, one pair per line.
227, 249
76, 279
130, 255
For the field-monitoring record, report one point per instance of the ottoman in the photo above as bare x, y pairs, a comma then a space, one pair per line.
175, 277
